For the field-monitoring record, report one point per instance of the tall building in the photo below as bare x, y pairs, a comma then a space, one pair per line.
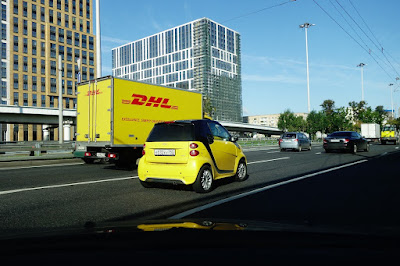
33, 34
201, 55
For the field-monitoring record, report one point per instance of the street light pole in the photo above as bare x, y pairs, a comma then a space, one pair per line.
306, 26
60, 102
98, 40
391, 97
361, 65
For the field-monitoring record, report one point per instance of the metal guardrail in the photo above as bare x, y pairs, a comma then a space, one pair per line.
35, 148
256, 142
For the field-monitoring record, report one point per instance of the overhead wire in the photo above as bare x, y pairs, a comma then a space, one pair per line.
259, 10
362, 47
379, 48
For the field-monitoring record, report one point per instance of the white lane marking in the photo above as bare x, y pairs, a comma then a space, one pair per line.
270, 160
219, 202
397, 148
318, 153
273, 151
66, 185
258, 149
39, 166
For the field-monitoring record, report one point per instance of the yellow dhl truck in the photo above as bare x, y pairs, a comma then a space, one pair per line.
389, 133
115, 116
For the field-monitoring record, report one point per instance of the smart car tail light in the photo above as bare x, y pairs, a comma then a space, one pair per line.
194, 153
193, 145
143, 151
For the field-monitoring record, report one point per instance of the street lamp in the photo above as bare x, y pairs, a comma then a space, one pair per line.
361, 65
306, 26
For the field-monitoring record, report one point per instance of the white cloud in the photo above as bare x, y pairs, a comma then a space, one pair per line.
114, 40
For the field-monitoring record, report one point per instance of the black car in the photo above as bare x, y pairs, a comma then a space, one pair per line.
345, 140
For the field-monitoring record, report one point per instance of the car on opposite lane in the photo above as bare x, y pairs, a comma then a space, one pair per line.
294, 141
350, 141
191, 152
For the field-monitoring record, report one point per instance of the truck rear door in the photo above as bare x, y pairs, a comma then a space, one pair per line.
94, 111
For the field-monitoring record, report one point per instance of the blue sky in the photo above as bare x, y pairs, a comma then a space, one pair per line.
273, 46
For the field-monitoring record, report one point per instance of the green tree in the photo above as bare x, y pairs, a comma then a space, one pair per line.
315, 122
208, 108
328, 106
289, 122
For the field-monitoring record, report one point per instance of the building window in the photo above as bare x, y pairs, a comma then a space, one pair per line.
66, 6
53, 85
42, 31
51, 101
34, 100
16, 7
91, 73
25, 64
81, 8
84, 57
59, 4
25, 9
84, 41
15, 25
69, 37
69, 87
66, 23
33, 11
16, 98
77, 39
51, 16
88, 26
84, 73
51, 3
53, 68
88, 9
76, 54
91, 59
25, 45
53, 33
42, 14
34, 47
53, 51
58, 18
25, 99
81, 25
34, 65
69, 54
3, 31
25, 86
43, 100
25, 29
69, 71
43, 67
74, 23
15, 43
73, 7
91, 43
33, 29
61, 51
43, 84
15, 62
15, 81
61, 35
42, 49
34, 83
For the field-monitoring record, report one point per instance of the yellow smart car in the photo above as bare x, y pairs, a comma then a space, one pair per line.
194, 152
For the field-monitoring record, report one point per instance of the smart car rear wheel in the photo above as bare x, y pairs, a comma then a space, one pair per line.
241, 172
204, 180
146, 184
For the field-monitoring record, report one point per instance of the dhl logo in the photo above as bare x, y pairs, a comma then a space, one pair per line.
93, 92
153, 101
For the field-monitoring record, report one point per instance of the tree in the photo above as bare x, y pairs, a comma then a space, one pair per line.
289, 122
315, 122
328, 107
208, 108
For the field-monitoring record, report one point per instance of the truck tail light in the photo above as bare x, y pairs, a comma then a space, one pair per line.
143, 151
194, 153
88, 154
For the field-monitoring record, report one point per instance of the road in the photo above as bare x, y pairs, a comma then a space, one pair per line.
289, 185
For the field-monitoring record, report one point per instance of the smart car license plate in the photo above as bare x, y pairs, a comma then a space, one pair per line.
164, 152
101, 154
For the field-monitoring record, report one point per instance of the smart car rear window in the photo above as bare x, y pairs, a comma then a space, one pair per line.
172, 132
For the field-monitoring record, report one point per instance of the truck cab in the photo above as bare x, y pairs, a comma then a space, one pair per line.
389, 133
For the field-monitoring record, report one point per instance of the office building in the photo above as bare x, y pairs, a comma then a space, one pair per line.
33, 35
201, 55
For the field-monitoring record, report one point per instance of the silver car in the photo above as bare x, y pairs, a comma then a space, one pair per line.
294, 141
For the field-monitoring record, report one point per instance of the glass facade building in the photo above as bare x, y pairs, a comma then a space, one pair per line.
201, 55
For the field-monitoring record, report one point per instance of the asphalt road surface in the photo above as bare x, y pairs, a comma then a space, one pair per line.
308, 187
